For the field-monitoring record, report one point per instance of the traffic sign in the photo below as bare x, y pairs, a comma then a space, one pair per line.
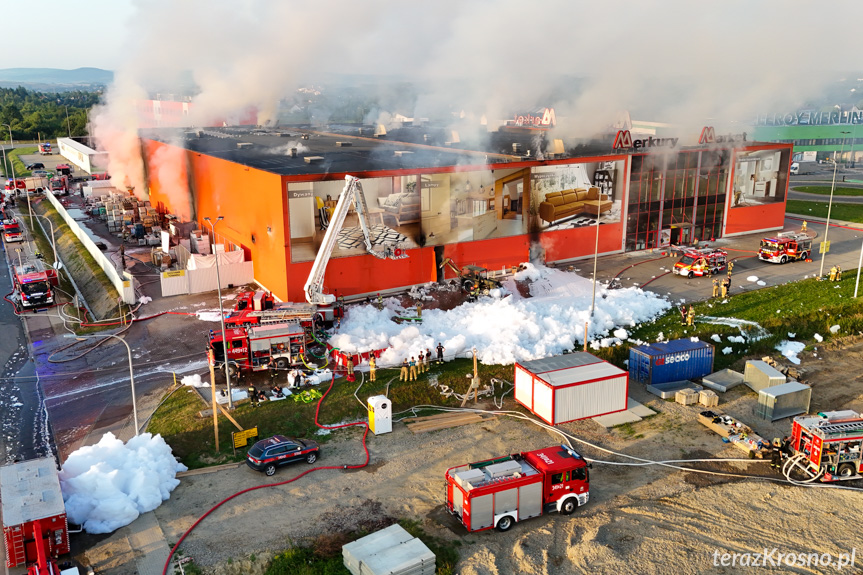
824, 247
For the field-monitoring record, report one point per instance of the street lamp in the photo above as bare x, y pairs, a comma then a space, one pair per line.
14, 179
53, 242
221, 313
68, 126
824, 243
131, 373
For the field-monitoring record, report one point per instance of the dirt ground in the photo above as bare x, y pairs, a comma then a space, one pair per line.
640, 519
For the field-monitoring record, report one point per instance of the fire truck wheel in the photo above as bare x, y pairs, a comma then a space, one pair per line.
569, 506
311, 457
231, 369
504, 523
783, 259
804, 256
270, 469
846, 470
282, 363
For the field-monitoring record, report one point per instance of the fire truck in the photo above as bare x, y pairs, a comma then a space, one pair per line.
700, 262
12, 231
787, 246
498, 492
251, 348
828, 446
15, 186
60, 186
33, 283
34, 517
45, 148
260, 308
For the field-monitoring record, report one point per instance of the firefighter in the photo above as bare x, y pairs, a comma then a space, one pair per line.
440, 349
803, 227
380, 302
833, 274
838, 273
420, 366
776, 454
786, 447
683, 315
428, 359
350, 367
253, 395
412, 364
725, 283
690, 317
419, 311
271, 369
373, 366
715, 287
403, 376
730, 267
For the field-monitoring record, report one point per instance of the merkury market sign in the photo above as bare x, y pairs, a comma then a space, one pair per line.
623, 141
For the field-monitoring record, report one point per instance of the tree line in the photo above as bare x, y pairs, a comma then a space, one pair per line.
44, 115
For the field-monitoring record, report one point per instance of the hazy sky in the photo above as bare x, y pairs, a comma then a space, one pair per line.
90, 34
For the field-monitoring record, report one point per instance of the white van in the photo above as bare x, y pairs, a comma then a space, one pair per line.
795, 169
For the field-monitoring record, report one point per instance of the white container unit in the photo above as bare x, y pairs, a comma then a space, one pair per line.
570, 387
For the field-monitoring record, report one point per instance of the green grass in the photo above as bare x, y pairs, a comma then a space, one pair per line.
14, 155
844, 212
804, 308
192, 439
324, 556
825, 190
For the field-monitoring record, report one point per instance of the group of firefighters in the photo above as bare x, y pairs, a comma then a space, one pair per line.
723, 287
420, 364
836, 273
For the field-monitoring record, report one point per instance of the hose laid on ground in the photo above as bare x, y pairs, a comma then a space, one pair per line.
222, 502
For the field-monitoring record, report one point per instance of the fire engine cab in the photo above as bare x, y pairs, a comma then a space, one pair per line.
33, 283
828, 446
498, 492
252, 347
787, 246
700, 262
12, 231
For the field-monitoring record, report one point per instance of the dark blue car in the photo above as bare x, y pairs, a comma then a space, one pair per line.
267, 454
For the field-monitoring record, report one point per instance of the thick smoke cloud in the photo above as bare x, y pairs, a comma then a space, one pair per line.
682, 62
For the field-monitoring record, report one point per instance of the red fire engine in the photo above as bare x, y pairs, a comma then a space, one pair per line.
787, 246
12, 231
498, 492
700, 262
252, 347
34, 517
259, 308
829, 445
60, 186
33, 283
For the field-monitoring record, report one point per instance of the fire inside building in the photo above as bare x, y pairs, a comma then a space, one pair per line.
510, 196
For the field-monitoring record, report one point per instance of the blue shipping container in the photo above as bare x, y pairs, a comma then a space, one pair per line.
675, 360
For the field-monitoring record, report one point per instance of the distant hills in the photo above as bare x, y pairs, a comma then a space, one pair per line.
55, 79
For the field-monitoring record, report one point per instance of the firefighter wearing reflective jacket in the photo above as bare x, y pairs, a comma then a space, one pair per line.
715, 287
373, 366
690, 316
833, 274
403, 376
838, 273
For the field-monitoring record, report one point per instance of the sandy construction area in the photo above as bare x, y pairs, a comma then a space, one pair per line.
641, 519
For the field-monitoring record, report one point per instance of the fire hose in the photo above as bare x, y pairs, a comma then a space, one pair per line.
229, 498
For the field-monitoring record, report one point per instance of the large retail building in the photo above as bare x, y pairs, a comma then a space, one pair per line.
493, 199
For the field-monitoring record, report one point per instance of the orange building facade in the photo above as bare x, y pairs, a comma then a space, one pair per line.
495, 215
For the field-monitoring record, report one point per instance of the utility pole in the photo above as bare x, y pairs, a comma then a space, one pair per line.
212, 361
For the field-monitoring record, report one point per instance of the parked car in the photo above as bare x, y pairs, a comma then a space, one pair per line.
268, 454
36, 166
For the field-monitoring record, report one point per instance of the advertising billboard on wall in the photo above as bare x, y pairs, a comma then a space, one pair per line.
575, 195
760, 177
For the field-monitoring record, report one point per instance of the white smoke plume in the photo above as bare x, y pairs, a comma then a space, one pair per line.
686, 63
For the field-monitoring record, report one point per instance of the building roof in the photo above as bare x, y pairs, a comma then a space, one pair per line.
31, 490
356, 150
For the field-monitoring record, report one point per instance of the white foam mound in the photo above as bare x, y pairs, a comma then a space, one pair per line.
107, 485
505, 329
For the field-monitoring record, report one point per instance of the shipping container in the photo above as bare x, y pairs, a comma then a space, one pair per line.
674, 360
783, 400
569, 387
759, 375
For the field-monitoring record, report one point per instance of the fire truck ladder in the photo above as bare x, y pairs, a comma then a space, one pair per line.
842, 427
17, 541
352, 193
281, 315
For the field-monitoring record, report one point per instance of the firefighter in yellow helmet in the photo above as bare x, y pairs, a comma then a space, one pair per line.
373, 366
690, 316
833, 274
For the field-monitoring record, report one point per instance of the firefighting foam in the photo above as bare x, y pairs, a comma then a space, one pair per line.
506, 329
107, 485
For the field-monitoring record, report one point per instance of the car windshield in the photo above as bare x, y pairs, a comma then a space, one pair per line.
687, 260
769, 245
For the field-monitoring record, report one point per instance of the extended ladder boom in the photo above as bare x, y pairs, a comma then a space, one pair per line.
353, 192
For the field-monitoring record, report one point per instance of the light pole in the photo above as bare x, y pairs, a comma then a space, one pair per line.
53, 242
221, 313
131, 373
824, 243
68, 126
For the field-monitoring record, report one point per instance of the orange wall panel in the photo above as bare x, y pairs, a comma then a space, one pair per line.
579, 242
492, 254
251, 202
754, 218
354, 275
